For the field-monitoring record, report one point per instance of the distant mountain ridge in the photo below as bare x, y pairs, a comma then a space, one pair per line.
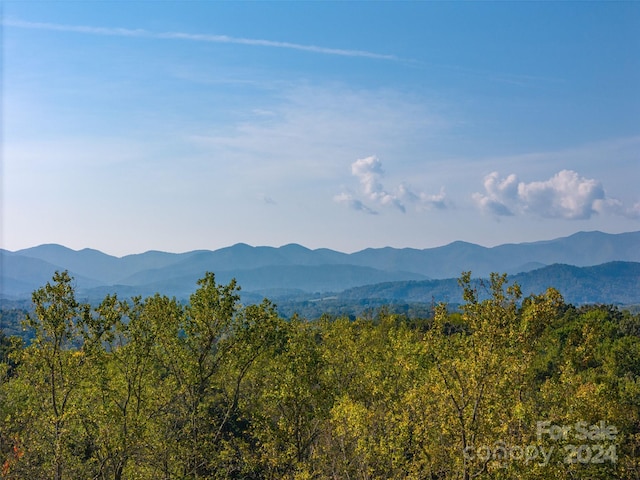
294, 268
609, 283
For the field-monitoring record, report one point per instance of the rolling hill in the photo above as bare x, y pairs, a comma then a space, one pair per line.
296, 270
609, 283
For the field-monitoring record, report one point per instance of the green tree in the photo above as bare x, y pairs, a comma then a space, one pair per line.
477, 374
123, 391
292, 402
43, 398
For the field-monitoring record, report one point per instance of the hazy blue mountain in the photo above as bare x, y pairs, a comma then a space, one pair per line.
581, 249
87, 262
294, 267
97, 265
266, 281
439, 262
22, 275
315, 278
240, 258
609, 283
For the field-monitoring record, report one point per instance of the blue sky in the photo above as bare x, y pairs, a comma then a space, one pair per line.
130, 126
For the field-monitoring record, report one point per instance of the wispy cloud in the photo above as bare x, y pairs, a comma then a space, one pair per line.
311, 130
369, 172
353, 203
566, 195
196, 37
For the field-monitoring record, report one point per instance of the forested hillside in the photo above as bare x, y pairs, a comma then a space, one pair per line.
507, 387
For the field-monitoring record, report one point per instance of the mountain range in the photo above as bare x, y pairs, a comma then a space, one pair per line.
293, 270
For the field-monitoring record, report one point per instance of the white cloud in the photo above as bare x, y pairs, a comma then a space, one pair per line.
499, 194
634, 211
369, 172
566, 195
616, 207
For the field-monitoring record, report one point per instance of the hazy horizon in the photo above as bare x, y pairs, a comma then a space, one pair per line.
302, 245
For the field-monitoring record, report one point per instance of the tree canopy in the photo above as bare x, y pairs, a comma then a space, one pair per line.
147, 388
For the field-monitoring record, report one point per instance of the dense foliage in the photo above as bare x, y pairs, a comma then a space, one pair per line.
506, 387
